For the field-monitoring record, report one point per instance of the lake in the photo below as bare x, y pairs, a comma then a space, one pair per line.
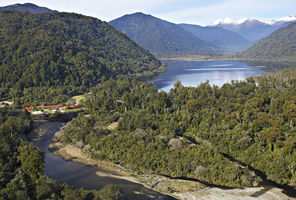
192, 73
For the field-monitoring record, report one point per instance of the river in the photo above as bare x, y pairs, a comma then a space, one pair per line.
82, 176
190, 73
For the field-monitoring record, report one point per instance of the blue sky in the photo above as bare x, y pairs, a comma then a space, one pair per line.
202, 12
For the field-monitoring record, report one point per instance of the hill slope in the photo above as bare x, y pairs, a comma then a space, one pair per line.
62, 50
161, 37
280, 45
252, 30
222, 38
28, 7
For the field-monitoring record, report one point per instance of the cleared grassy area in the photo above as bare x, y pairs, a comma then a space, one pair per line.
78, 98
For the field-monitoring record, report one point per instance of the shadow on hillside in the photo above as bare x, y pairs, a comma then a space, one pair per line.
287, 189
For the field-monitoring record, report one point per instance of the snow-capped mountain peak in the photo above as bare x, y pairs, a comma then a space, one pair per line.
288, 19
284, 19
229, 21
226, 21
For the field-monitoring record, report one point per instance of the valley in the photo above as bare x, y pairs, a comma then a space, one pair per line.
85, 175
144, 106
125, 179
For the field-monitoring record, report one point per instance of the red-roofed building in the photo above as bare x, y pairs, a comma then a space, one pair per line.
50, 107
28, 108
76, 106
64, 108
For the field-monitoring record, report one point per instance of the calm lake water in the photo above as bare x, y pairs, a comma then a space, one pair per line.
82, 176
192, 73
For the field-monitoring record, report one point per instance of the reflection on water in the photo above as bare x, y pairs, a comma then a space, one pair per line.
271, 66
192, 73
217, 69
82, 176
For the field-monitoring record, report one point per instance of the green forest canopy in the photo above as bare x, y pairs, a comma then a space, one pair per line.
186, 132
64, 53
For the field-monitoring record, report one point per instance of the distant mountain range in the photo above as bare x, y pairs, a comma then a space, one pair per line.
163, 38
28, 7
284, 20
222, 38
160, 37
280, 45
252, 29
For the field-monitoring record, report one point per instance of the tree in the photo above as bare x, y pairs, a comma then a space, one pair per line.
192, 105
111, 192
31, 159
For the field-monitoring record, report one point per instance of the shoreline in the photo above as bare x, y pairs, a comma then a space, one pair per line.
172, 187
194, 59
179, 189
221, 59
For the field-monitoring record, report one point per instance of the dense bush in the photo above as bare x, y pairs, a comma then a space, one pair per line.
186, 132
47, 57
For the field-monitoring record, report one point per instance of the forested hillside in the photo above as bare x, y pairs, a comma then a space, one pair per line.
27, 7
251, 29
279, 46
160, 37
222, 38
196, 132
21, 166
46, 57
